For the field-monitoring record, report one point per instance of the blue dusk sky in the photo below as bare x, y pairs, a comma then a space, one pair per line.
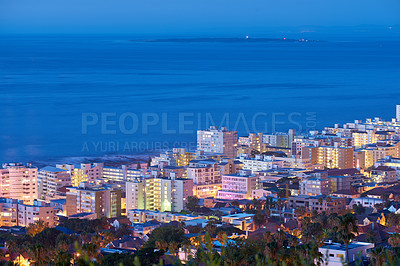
190, 16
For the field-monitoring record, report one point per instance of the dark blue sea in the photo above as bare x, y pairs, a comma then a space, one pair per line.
82, 96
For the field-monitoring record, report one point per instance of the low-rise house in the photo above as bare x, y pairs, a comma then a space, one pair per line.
127, 242
145, 228
365, 202
142, 216
336, 253
84, 215
383, 174
346, 194
318, 203
240, 220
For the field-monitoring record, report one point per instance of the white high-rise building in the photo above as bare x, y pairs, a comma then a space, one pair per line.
398, 113
158, 193
135, 193
214, 140
50, 179
19, 182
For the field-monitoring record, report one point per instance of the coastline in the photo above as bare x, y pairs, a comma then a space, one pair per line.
109, 160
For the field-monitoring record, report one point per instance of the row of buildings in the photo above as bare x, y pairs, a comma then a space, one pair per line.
355, 157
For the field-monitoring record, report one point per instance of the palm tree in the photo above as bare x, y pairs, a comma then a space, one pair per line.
272, 251
39, 254
61, 256
221, 237
267, 212
173, 248
259, 219
377, 255
108, 237
346, 230
96, 239
300, 211
371, 236
162, 245
36, 227
90, 251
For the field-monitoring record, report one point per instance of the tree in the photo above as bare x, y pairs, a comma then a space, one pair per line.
281, 193
358, 208
138, 167
346, 230
108, 237
379, 206
173, 248
221, 237
211, 227
385, 197
162, 245
259, 219
123, 230
149, 162
267, 212
300, 211
192, 203
90, 251
235, 203
394, 240
371, 236
62, 257
167, 233
378, 256
36, 227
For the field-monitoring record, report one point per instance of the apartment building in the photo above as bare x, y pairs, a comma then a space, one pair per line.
318, 203
398, 113
14, 212
278, 139
101, 200
238, 186
372, 153
339, 183
50, 179
329, 156
204, 172
206, 177
28, 214
229, 166
299, 142
9, 211
383, 174
182, 156
260, 163
295, 161
254, 142
220, 141
158, 193
391, 162
19, 182
124, 173
314, 186
83, 172
143, 216
135, 194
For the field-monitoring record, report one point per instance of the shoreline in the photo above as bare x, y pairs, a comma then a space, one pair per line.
115, 160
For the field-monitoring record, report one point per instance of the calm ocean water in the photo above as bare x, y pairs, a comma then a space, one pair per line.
48, 83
